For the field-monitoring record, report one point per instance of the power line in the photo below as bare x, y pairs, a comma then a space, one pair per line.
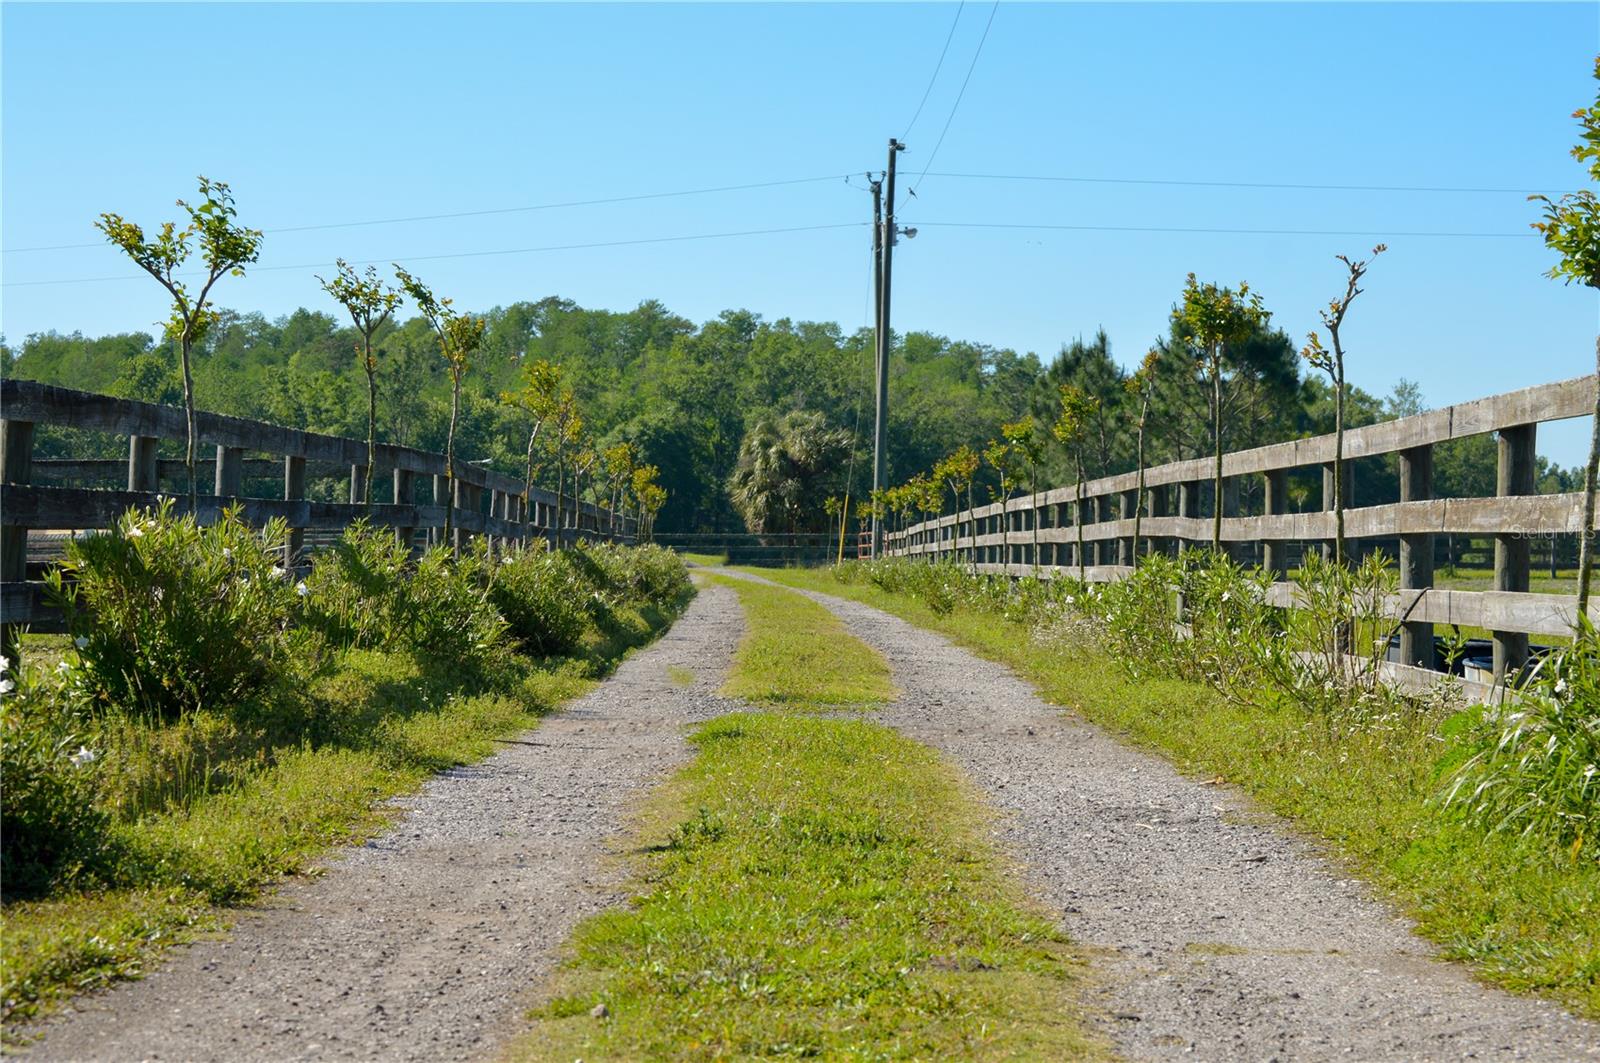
1235, 184
936, 68
957, 105
1380, 233
492, 211
482, 254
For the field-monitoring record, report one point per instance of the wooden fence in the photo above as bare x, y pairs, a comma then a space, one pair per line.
1175, 494
487, 503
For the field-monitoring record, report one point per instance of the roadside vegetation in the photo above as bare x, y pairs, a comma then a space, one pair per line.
1481, 823
813, 887
212, 722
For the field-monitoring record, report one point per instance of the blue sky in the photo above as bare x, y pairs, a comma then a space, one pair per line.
325, 114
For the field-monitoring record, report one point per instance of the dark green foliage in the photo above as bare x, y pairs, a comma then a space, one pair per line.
171, 616
542, 596
52, 825
356, 594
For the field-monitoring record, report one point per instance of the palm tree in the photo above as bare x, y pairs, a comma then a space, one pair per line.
787, 466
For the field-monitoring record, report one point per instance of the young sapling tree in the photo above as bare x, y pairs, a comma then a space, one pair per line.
369, 303
459, 337
226, 247
1141, 386
1072, 428
1332, 363
1029, 449
1219, 319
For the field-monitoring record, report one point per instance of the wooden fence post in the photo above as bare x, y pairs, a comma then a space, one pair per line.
229, 480
16, 467
1128, 505
1275, 552
1416, 555
1188, 506
1155, 500
405, 495
358, 484
294, 489
1514, 476
144, 474
440, 498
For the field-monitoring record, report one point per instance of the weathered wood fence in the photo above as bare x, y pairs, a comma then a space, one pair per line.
486, 503
1176, 493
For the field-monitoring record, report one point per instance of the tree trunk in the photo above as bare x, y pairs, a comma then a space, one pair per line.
1216, 479
1138, 498
372, 418
1590, 473
1077, 519
188, 413
1338, 464
1033, 518
450, 463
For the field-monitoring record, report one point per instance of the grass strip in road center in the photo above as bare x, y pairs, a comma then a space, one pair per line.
797, 654
814, 887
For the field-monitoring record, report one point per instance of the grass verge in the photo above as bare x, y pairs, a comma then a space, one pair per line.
823, 890
401, 720
1523, 919
797, 654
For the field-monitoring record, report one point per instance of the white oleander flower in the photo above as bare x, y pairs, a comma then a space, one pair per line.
81, 642
301, 589
7, 686
279, 572
83, 756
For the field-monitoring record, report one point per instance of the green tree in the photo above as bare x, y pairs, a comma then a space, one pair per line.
225, 248
1078, 411
1332, 363
370, 303
1571, 228
459, 336
1029, 449
1141, 387
958, 471
787, 465
1003, 459
1219, 318
537, 399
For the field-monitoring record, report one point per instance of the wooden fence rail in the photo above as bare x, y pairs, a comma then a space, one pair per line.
1000, 537
486, 503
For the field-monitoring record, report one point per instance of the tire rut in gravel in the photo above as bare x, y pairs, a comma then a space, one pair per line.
1213, 932
425, 943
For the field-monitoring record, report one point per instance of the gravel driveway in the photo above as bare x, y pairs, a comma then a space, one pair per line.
1212, 932
424, 943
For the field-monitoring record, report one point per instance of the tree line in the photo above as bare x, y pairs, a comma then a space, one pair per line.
736, 422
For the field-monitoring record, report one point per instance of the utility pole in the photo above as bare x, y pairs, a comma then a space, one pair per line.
883, 238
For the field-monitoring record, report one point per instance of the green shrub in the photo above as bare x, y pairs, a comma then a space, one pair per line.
170, 615
358, 594
542, 598
52, 826
450, 617
1536, 768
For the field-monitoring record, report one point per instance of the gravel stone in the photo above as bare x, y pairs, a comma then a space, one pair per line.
426, 942
1212, 931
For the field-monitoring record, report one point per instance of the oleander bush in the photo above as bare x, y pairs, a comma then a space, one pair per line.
52, 824
358, 593
542, 596
170, 615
